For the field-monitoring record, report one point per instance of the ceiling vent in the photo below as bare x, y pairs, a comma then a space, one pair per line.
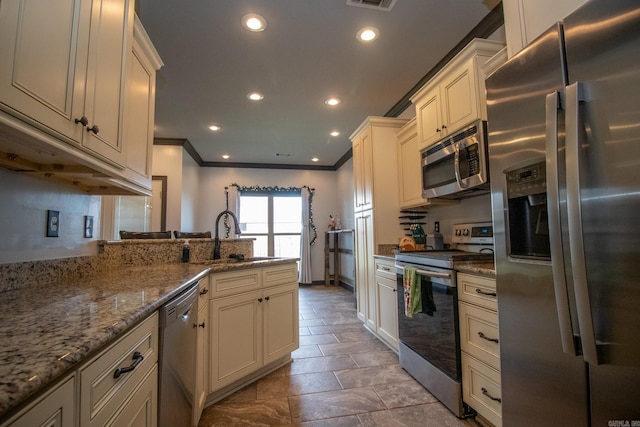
373, 4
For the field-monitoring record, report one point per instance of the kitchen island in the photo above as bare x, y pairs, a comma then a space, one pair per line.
49, 329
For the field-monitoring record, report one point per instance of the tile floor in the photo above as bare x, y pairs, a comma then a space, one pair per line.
341, 376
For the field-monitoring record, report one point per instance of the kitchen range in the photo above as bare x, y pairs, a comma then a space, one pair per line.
564, 147
429, 346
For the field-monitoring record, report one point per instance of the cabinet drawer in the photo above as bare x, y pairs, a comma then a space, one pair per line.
478, 290
481, 389
279, 275
479, 333
385, 269
55, 409
101, 394
224, 284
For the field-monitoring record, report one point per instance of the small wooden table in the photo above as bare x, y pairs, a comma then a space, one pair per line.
332, 246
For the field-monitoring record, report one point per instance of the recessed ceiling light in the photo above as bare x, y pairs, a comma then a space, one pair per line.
315, 159
255, 96
335, 133
254, 22
332, 101
367, 34
225, 156
215, 128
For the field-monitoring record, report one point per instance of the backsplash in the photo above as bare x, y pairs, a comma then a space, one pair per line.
115, 254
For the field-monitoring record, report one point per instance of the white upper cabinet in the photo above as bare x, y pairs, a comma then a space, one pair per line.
139, 107
67, 73
455, 96
74, 87
524, 20
409, 168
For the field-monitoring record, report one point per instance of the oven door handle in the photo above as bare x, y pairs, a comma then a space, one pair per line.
429, 273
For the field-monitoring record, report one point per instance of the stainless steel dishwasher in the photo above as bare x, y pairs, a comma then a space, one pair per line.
178, 323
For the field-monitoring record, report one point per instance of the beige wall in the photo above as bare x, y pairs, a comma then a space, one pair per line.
167, 161
25, 201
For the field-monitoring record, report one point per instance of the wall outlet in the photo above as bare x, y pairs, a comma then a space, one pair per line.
88, 226
53, 223
436, 226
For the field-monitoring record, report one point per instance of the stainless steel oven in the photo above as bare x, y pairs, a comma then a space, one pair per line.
429, 347
457, 166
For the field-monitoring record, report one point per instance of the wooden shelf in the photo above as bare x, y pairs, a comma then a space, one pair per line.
332, 246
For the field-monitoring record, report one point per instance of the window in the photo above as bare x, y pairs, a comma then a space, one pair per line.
274, 219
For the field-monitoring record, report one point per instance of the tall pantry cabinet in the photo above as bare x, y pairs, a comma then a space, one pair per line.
376, 203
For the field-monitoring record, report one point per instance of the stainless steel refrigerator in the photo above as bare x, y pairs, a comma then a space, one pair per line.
564, 148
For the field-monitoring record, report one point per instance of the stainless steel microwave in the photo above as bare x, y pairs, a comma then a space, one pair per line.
457, 166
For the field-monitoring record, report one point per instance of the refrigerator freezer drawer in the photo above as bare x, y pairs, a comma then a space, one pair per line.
481, 389
479, 334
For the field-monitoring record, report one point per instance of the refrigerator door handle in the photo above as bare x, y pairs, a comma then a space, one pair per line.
555, 235
575, 94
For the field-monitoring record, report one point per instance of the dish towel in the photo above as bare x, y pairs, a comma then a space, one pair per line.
412, 296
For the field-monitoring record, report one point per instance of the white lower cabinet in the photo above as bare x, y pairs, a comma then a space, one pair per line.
387, 299
57, 408
252, 329
105, 394
202, 351
480, 344
98, 393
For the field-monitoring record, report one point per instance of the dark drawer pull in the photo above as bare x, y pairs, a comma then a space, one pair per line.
486, 393
484, 337
204, 291
137, 358
489, 294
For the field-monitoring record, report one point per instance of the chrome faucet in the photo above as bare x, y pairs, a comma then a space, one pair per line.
216, 240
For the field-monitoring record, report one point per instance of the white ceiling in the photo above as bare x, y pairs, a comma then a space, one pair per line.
307, 53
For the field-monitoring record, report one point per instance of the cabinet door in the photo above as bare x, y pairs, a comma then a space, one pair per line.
387, 310
138, 118
280, 314
459, 98
235, 338
363, 170
56, 409
47, 41
202, 361
429, 117
141, 409
109, 46
410, 171
365, 284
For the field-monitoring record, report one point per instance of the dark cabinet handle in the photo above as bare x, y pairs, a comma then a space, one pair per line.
204, 291
484, 337
137, 358
201, 325
486, 393
83, 120
444, 126
489, 294
95, 129
259, 299
438, 130
267, 298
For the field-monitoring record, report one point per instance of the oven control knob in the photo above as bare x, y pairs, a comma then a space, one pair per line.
465, 232
458, 232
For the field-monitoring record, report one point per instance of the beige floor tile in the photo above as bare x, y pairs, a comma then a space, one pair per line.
316, 406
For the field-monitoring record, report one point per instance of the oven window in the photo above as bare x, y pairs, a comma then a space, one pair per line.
438, 173
433, 333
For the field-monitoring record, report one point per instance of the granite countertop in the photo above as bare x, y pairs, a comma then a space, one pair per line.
47, 330
484, 268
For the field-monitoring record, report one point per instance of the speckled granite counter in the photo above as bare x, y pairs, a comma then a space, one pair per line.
48, 329
481, 268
